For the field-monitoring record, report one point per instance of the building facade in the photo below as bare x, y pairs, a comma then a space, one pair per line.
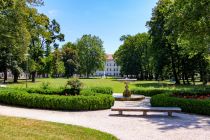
110, 67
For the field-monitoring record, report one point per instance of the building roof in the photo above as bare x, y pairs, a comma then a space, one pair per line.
109, 56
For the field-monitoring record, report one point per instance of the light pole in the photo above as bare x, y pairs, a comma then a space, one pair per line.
27, 55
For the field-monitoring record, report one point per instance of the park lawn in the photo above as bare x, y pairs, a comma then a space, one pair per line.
118, 87
60, 82
24, 129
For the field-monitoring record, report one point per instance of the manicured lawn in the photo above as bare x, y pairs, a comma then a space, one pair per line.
24, 129
60, 82
117, 86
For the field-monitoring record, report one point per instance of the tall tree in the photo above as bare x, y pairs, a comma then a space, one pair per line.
166, 49
91, 54
70, 59
14, 35
134, 56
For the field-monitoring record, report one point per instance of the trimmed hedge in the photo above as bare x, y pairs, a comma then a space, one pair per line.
50, 91
23, 98
102, 90
178, 91
149, 91
187, 105
61, 91
196, 92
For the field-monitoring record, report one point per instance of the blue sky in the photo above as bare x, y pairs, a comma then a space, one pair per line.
108, 19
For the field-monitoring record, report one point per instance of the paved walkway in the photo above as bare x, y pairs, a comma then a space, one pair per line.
133, 126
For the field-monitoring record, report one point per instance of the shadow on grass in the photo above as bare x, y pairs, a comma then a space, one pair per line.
159, 85
178, 120
20, 82
156, 85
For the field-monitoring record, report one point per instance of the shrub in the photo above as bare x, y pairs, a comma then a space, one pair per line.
23, 98
187, 105
195, 92
73, 87
102, 90
45, 85
149, 91
49, 91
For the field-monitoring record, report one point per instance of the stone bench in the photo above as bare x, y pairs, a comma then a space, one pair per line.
170, 110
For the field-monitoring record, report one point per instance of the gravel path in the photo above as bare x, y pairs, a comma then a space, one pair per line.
132, 126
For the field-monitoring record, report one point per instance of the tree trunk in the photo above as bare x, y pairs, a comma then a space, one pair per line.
33, 75
183, 78
193, 78
15, 77
5, 75
174, 71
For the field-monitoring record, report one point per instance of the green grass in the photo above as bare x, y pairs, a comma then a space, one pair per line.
24, 129
60, 82
117, 86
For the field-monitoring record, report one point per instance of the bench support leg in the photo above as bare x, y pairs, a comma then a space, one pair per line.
144, 113
120, 112
170, 114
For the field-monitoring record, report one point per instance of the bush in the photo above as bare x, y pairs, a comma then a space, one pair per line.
102, 90
49, 91
195, 92
187, 105
149, 91
73, 87
45, 85
23, 98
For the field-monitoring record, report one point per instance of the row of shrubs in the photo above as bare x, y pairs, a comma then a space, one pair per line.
177, 91
62, 91
149, 91
187, 105
195, 92
51, 99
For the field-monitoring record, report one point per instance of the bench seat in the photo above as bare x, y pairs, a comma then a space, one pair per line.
147, 109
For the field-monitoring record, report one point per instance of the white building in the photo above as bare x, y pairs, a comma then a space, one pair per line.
110, 67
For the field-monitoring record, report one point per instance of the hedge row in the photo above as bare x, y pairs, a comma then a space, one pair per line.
102, 90
60, 91
187, 105
195, 92
149, 91
49, 91
177, 91
23, 98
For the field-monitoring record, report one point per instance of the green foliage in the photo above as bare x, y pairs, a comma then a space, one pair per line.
73, 87
45, 85
58, 65
91, 54
134, 56
180, 36
22, 98
149, 91
70, 59
195, 92
103, 90
187, 105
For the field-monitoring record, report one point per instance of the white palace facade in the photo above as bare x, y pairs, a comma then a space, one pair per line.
110, 67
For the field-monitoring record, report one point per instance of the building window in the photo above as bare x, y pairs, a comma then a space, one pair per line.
110, 69
107, 69
114, 69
